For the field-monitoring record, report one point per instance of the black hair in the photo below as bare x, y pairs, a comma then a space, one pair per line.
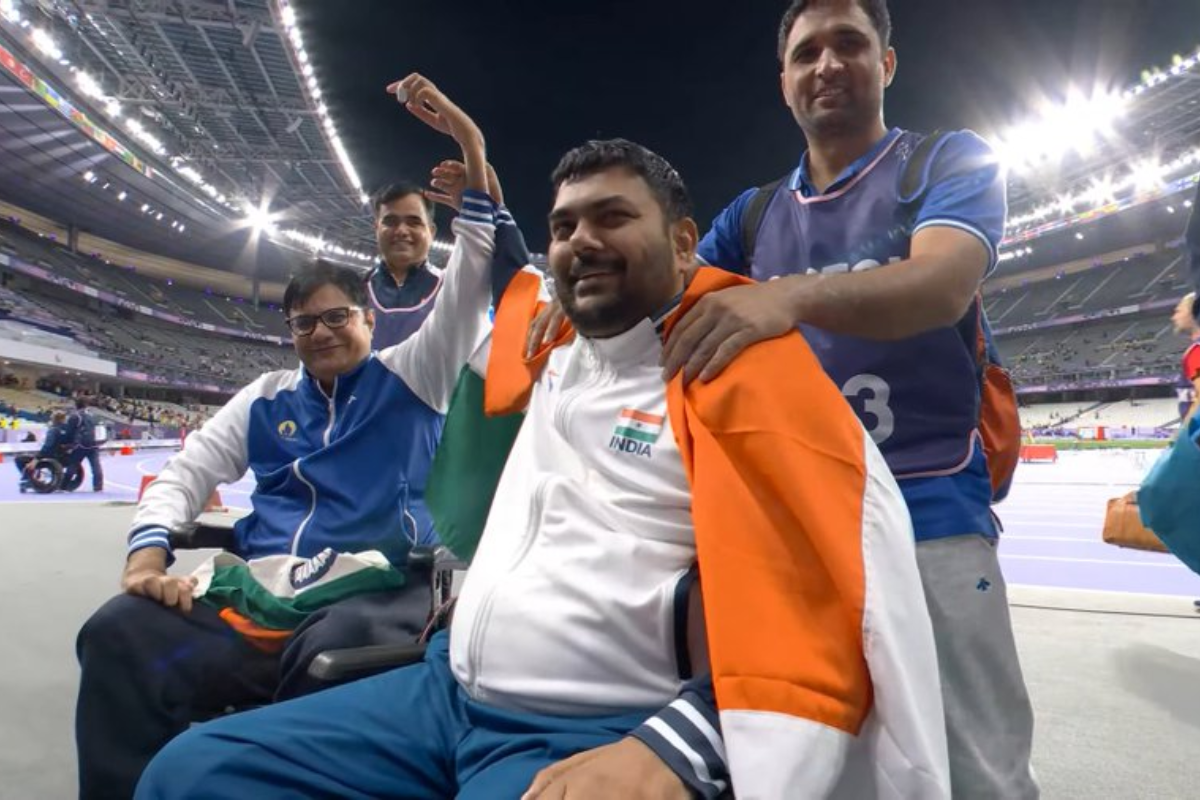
597, 156
876, 11
305, 283
394, 191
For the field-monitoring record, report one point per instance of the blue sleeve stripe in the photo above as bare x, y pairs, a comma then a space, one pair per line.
948, 222
703, 740
680, 756
148, 530
479, 200
150, 541
478, 217
704, 719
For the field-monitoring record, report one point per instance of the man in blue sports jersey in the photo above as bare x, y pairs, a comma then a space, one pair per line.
882, 280
403, 284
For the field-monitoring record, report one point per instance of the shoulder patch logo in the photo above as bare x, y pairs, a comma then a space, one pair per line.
287, 429
635, 432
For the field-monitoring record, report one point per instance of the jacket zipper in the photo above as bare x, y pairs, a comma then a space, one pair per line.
483, 615
296, 470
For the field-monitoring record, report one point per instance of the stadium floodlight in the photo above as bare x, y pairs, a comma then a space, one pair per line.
1170, 209
1101, 192
45, 43
8, 10
1147, 176
89, 85
1076, 124
121, 197
89, 176
259, 218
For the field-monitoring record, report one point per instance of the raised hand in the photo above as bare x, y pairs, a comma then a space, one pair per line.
427, 103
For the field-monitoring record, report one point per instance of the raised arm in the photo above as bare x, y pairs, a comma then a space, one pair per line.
430, 360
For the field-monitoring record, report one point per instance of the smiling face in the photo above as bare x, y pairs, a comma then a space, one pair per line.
327, 353
614, 257
835, 69
403, 232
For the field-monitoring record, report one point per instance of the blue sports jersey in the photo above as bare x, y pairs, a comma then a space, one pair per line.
400, 308
919, 397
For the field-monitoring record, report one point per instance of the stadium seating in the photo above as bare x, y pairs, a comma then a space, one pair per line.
68, 320
1065, 327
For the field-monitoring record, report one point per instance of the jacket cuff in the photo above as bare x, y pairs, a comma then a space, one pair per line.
151, 536
686, 735
477, 207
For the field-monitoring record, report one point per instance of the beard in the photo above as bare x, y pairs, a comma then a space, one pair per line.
594, 315
634, 294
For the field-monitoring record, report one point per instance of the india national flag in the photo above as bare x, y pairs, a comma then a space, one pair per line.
638, 425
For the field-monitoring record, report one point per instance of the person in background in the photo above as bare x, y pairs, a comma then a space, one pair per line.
81, 432
402, 286
56, 445
1185, 323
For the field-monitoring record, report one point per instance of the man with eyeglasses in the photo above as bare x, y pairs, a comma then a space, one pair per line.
340, 450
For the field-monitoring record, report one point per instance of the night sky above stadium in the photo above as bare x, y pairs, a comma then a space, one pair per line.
693, 79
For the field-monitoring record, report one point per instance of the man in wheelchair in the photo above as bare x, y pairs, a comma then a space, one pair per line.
57, 466
679, 589
340, 450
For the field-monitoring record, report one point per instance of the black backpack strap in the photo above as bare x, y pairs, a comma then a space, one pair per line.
913, 179
753, 215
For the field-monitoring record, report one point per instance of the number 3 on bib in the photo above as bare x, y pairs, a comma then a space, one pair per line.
874, 394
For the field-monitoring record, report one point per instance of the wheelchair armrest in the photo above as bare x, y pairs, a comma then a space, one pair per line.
421, 559
335, 666
197, 536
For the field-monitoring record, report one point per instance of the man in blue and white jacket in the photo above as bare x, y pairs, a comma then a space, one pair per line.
340, 450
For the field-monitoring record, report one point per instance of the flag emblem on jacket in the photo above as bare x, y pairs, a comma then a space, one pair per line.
635, 431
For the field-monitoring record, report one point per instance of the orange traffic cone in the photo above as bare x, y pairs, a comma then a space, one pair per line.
146, 481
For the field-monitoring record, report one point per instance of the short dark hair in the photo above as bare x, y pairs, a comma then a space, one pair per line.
311, 277
876, 11
81, 402
394, 191
597, 156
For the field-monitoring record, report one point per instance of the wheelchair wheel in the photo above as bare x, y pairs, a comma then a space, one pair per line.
72, 479
45, 475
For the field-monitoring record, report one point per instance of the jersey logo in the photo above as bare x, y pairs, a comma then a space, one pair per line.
287, 429
635, 431
306, 573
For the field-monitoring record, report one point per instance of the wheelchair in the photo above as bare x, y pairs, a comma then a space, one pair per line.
46, 475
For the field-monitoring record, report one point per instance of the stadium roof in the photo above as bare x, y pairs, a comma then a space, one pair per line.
221, 129
213, 115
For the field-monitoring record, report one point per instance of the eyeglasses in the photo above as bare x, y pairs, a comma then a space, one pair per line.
305, 324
